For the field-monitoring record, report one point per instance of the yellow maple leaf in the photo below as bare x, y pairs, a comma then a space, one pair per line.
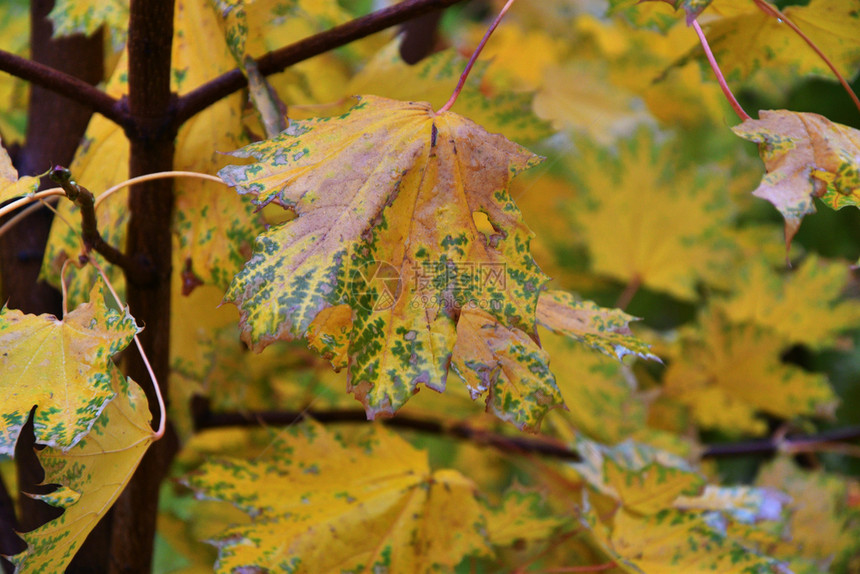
673, 238
643, 62
91, 475
602, 329
806, 156
385, 197
318, 506
60, 367
745, 39
727, 373
802, 307
519, 518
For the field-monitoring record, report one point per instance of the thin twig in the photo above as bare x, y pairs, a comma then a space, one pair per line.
64, 84
474, 58
213, 91
13, 221
547, 446
158, 175
18, 203
93, 240
162, 410
776, 13
719, 74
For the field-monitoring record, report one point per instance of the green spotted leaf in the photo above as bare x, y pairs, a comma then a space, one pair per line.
91, 475
387, 199
319, 506
63, 368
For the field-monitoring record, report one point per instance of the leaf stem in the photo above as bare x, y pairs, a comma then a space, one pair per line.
629, 292
54, 191
776, 13
162, 419
63, 288
719, 74
14, 220
474, 57
153, 176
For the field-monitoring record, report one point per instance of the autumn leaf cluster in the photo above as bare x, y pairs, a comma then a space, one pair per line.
472, 268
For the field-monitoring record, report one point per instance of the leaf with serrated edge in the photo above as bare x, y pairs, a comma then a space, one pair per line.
727, 373
385, 197
806, 156
603, 329
804, 306
91, 475
60, 367
318, 506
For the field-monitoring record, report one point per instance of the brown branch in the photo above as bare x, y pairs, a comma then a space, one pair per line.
547, 446
277, 61
93, 240
517, 445
66, 85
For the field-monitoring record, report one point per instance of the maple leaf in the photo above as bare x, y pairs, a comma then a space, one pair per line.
644, 62
670, 245
802, 307
91, 475
385, 197
727, 373
644, 505
10, 184
520, 518
319, 506
806, 156
745, 39
60, 367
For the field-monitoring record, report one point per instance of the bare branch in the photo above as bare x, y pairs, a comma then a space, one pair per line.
65, 85
204, 419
